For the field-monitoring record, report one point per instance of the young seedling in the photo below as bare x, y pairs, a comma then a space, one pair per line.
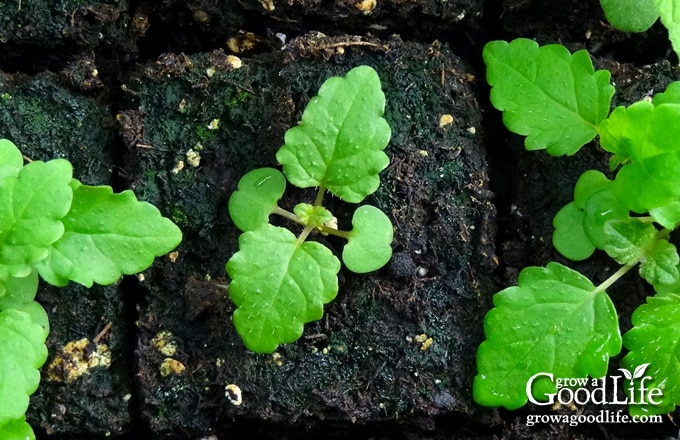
555, 320
279, 280
53, 226
640, 15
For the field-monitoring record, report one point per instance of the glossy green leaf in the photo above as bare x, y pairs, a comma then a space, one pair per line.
667, 215
553, 321
638, 137
257, 196
630, 15
368, 246
11, 159
569, 238
627, 239
669, 11
554, 98
23, 352
20, 294
654, 339
669, 96
339, 142
600, 208
278, 285
16, 430
311, 215
660, 265
32, 205
106, 236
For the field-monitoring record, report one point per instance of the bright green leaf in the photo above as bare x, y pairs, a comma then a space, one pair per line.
601, 207
339, 142
554, 98
660, 265
553, 321
22, 353
368, 245
257, 196
667, 215
11, 159
311, 215
278, 285
638, 137
31, 207
669, 11
107, 235
569, 237
16, 430
628, 239
630, 15
588, 184
669, 96
654, 339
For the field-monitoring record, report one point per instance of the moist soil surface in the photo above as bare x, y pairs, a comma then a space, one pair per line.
176, 100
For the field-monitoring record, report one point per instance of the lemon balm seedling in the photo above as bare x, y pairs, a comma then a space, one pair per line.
280, 280
556, 323
54, 227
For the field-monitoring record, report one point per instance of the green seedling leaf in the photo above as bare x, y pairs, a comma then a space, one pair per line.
569, 237
368, 245
669, 11
22, 344
256, 198
106, 236
311, 215
669, 96
278, 285
554, 321
654, 339
660, 265
338, 144
626, 240
638, 137
20, 293
11, 159
31, 207
668, 215
554, 98
630, 15
16, 430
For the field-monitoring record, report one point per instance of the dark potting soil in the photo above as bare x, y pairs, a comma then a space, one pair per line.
125, 90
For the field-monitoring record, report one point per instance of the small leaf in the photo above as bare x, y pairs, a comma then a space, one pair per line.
339, 142
16, 429
257, 196
311, 215
638, 137
554, 321
653, 340
628, 239
669, 96
107, 235
667, 215
11, 160
554, 98
569, 237
278, 285
660, 265
630, 15
368, 245
669, 10
600, 208
22, 344
32, 205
